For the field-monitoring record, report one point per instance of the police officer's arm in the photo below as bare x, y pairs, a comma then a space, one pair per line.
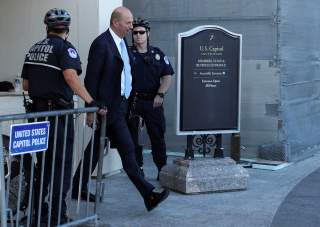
164, 86
72, 79
25, 84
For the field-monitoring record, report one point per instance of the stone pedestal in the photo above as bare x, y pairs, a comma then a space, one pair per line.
204, 175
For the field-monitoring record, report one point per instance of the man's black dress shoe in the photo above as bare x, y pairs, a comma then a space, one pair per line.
155, 198
92, 197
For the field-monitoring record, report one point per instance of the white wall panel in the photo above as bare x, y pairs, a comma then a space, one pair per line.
21, 24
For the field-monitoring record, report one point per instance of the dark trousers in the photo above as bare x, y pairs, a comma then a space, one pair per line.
120, 137
155, 123
58, 178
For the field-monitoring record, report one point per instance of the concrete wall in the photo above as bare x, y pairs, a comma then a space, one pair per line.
256, 21
300, 70
21, 24
105, 10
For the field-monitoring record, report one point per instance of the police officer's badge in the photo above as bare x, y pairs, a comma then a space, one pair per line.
166, 60
72, 53
157, 57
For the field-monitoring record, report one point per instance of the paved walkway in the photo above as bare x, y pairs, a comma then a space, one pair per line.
256, 206
302, 205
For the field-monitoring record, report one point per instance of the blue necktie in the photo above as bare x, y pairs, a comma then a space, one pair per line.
126, 69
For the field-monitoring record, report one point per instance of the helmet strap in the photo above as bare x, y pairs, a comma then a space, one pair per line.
67, 35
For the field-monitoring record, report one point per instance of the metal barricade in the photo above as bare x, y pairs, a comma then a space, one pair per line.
35, 186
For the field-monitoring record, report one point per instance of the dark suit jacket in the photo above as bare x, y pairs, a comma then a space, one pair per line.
103, 76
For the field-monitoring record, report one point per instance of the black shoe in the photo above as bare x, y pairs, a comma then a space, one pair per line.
155, 198
141, 168
218, 153
92, 197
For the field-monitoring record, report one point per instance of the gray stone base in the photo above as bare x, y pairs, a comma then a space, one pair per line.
204, 175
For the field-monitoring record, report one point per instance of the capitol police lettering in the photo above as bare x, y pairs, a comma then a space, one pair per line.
55, 55
40, 51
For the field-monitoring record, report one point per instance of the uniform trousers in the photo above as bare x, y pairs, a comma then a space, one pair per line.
155, 123
58, 179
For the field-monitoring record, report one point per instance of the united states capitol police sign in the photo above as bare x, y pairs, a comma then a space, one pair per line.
29, 137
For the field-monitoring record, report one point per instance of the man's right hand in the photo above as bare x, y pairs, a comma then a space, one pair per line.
90, 117
102, 111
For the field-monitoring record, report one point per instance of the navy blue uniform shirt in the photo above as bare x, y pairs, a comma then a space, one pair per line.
43, 67
148, 68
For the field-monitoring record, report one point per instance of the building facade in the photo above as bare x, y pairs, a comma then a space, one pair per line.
280, 107
280, 67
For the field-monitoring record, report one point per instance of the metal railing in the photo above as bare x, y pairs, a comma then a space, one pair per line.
28, 182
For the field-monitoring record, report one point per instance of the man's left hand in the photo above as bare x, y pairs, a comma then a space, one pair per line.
157, 102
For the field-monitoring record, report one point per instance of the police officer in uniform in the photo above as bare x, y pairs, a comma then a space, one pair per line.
151, 74
50, 75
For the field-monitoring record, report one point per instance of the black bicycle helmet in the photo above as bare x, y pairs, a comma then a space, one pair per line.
57, 19
138, 22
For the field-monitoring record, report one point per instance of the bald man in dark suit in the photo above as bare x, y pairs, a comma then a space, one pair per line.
108, 80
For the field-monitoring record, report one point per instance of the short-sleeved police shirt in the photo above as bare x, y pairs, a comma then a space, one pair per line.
148, 68
43, 67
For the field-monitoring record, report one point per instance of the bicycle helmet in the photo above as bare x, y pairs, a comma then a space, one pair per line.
139, 22
57, 19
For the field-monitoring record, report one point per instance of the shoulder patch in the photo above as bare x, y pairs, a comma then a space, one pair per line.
157, 57
166, 60
72, 53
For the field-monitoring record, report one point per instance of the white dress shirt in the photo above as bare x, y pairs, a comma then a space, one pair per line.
117, 41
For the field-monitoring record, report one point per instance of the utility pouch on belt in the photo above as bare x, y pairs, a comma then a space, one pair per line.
60, 103
28, 104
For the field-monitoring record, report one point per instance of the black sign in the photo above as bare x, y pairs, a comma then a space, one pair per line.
208, 84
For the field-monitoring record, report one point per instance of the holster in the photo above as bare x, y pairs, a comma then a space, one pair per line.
29, 107
28, 104
63, 104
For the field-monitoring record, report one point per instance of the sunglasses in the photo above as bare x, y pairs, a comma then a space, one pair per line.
140, 32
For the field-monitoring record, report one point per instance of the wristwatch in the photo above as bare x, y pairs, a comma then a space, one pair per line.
161, 94
93, 103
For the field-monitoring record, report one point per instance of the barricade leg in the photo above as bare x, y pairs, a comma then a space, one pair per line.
100, 162
2, 185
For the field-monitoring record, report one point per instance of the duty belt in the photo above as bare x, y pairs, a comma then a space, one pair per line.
51, 104
144, 95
